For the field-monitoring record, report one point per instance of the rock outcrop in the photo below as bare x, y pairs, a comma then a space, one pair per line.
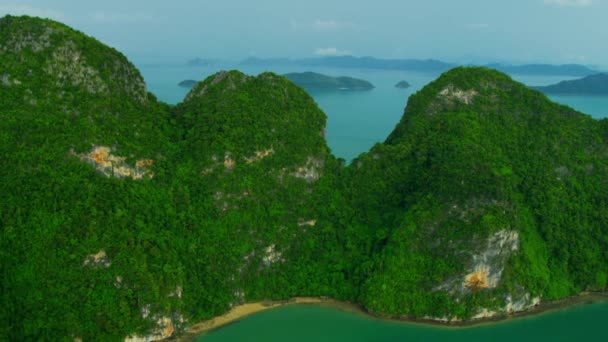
113, 166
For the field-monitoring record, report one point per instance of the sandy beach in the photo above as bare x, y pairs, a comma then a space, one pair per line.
244, 310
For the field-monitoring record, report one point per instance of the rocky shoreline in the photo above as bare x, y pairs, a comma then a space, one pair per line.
241, 311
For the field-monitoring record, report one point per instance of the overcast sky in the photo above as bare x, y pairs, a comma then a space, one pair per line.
517, 31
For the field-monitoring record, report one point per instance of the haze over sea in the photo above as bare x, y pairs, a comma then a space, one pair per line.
356, 120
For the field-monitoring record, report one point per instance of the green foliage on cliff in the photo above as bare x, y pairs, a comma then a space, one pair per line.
233, 195
231, 207
476, 153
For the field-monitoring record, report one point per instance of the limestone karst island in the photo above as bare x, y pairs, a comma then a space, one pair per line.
127, 218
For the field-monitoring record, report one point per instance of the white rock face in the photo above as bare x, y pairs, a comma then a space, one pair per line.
229, 163
113, 166
451, 93
259, 155
165, 326
486, 265
118, 282
310, 223
443, 319
26, 40
271, 256
98, 259
165, 329
5, 80
522, 303
484, 313
310, 172
179, 291
239, 295
145, 311
68, 66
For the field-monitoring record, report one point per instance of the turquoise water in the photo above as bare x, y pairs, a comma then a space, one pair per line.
356, 120
318, 323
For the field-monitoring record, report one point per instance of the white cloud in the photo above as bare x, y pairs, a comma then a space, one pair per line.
323, 25
331, 51
569, 3
31, 11
331, 25
118, 17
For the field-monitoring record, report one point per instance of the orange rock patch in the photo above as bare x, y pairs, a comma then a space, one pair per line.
479, 280
169, 329
144, 163
111, 165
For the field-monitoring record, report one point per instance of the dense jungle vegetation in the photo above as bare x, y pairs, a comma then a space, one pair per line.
233, 196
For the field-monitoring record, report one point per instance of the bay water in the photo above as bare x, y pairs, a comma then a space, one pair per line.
583, 322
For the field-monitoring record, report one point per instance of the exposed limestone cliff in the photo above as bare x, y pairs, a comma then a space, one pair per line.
98, 259
259, 155
451, 93
486, 265
311, 171
71, 62
69, 67
113, 166
164, 330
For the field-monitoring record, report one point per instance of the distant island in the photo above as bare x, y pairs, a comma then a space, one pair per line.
591, 85
421, 65
313, 80
402, 85
187, 83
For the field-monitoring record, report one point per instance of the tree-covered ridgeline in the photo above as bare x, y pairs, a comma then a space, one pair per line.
121, 215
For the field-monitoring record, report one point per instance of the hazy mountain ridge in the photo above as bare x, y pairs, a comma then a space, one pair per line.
422, 65
591, 85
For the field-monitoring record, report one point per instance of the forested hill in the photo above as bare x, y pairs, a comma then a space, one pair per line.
123, 216
315, 81
488, 196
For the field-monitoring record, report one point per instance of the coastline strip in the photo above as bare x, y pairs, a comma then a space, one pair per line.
240, 311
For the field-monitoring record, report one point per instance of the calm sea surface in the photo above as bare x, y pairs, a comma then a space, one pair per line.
356, 121
295, 323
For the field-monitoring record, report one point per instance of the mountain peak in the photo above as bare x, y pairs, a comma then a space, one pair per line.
233, 112
69, 59
230, 81
475, 90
